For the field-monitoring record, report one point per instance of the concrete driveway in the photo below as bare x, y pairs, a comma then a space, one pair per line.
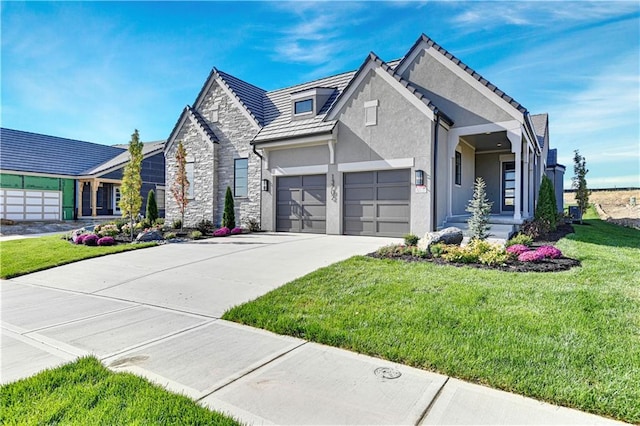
205, 277
155, 312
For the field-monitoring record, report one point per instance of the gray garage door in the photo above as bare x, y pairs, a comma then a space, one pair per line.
301, 204
377, 203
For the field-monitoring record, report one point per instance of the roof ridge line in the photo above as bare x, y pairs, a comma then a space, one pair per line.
215, 70
199, 121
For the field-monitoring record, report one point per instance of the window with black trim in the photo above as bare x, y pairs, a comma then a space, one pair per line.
301, 107
458, 168
240, 177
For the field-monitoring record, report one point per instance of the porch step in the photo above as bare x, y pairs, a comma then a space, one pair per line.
498, 231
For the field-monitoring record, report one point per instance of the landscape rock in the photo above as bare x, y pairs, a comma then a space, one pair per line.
451, 235
152, 235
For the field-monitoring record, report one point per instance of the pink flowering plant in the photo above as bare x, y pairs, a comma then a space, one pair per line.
531, 256
237, 230
222, 232
549, 252
517, 249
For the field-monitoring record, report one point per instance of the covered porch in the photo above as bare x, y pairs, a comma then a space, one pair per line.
98, 197
506, 158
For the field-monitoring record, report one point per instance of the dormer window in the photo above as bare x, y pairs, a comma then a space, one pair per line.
302, 107
308, 103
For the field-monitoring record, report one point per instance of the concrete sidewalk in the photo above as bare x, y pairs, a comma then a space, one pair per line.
152, 319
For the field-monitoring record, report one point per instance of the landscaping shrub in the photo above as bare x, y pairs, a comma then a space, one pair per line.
546, 208
159, 222
176, 224
535, 228
522, 239
411, 239
229, 214
169, 235
480, 208
106, 241
222, 232
549, 252
80, 238
531, 256
90, 240
108, 230
236, 231
152, 207
196, 235
253, 225
416, 252
437, 250
496, 256
517, 249
205, 226
458, 254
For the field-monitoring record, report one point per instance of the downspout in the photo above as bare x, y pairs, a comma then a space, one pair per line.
261, 158
434, 174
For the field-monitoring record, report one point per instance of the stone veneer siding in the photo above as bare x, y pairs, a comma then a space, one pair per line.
214, 165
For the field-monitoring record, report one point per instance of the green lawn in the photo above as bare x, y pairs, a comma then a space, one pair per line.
19, 257
571, 338
85, 392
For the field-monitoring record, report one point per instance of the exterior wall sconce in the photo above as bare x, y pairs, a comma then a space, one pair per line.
419, 178
265, 185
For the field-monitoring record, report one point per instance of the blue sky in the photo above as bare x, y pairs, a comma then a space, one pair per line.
97, 70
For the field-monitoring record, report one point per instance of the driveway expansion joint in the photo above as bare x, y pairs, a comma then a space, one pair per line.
211, 392
426, 411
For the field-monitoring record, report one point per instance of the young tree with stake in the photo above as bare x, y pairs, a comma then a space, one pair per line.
130, 199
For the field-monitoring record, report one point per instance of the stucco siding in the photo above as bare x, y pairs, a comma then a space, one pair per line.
488, 168
296, 157
401, 132
464, 104
461, 194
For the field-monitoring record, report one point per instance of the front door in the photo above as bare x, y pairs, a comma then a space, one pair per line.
508, 186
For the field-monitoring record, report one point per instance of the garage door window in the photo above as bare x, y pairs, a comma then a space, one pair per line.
240, 176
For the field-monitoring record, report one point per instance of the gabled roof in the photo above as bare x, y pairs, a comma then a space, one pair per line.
540, 124
249, 95
192, 114
36, 153
425, 39
148, 149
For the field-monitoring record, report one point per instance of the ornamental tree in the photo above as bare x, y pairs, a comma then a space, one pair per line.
480, 208
579, 182
229, 215
130, 199
547, 208
152, 207
180, 186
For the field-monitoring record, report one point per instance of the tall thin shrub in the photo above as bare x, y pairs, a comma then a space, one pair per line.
480, 208
229, 215
547, 209
152, 207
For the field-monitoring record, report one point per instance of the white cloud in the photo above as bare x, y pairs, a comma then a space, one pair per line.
487, 15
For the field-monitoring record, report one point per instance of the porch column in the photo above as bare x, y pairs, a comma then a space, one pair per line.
532, 178
94, 197
515, 137
525, 184
80, 189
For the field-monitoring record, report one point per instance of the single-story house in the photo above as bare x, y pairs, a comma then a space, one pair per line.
51, 178
391, 148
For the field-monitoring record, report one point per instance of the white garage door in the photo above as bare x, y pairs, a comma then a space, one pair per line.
18, 204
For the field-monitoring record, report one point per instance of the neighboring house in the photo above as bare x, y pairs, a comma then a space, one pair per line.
391, 148
50, 178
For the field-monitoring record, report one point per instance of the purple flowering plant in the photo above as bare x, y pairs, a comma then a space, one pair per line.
90, 240
237, 230
531, 256
106, 241
517, 249
549, 252
222, 232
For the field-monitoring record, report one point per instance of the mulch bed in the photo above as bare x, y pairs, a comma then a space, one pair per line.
546, 265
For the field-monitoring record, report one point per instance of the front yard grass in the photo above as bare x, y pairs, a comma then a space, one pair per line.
85, 392
570, 338
19, 257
